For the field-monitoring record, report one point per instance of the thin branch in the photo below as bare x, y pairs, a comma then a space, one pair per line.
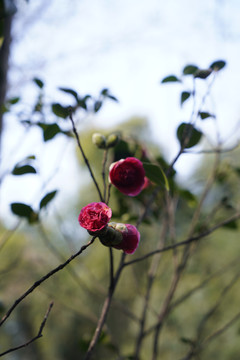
185, 242
39, 335
105, 154
84, 157
105, 309
44, 278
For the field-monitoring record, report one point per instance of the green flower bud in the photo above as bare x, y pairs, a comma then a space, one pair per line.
99, 140
112, 140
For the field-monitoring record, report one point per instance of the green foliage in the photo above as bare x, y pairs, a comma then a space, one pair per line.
184, 96
156, 174
188, 136
25, 169
47, 199
170, 78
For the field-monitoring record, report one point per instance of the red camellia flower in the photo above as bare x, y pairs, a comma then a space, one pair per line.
130, 238
95, 216
127, 175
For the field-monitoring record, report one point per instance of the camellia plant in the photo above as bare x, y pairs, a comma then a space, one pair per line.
151, 286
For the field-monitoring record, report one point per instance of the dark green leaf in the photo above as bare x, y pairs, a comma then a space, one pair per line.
218, 65
47, 198
97, 105
70, 91
188, 197
50, 131
156, 174
184, 96
14, 100
202, 74
39, 83
233, 225
60, 110
25, 211
170, 78
204, 115
188, 136
190, 69
25, 169
105, 92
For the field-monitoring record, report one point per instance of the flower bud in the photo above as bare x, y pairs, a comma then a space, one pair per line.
112, 140
127, 175
99, 140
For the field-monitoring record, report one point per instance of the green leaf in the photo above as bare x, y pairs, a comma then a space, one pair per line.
24, 211
156, 174
105, 92
204, 115
39, 83
233, 225
14, 100
218, 65
202, 74
170, 78
47, 198
188, 136
60, 110
97, 105
70, 91
184, 96
189, 197
190, 69
50, 131
22, 170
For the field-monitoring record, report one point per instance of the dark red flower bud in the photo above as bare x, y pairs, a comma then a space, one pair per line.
130, 237
127, 175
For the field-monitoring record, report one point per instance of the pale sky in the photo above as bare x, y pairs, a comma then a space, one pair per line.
127, 46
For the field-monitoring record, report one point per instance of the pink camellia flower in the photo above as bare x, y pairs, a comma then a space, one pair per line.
130, 237
127, 175
95, 216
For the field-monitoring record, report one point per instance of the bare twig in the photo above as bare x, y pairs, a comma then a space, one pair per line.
39, 335
185, 242
44, 278
84, 157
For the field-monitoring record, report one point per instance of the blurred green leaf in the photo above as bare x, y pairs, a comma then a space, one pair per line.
188, 196
51, 131
218, 65
97, 105
204, 115
184, 96
190, 69
188, 136
60, 110
202, 74
39, 83
22, 170
25, 211
47, 198
170, 78
14, 100
156, 174
233, 225
70, 91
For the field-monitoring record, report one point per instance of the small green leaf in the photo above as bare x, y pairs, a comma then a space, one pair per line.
14, 100
233, 225
156, 174
70, 91
202, 74
218, 65
47, 198
204, 115
25, 211
184, 96
60, 110
188, 136
170, 78
39, 83
97, 105
51, 131
190, 69
22, 170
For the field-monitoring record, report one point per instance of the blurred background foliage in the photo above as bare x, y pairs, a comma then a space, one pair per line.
79, 290
47, 233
